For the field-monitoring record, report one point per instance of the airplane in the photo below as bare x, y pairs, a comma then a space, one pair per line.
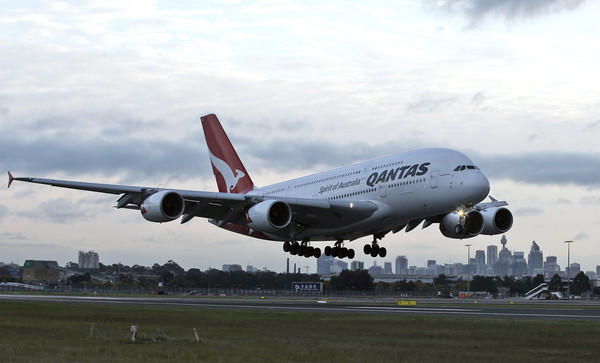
371, 198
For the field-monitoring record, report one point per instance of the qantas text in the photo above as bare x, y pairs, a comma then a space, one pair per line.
398, 173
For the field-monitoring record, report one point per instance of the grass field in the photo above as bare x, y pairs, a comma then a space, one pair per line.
60, 332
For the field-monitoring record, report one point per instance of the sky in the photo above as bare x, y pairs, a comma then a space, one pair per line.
112, 92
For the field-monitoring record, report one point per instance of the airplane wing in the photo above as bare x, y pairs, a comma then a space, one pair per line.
493, 204
225, 207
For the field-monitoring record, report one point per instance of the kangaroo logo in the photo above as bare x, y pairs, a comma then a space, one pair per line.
231, 180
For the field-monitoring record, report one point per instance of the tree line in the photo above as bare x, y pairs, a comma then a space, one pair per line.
171, 274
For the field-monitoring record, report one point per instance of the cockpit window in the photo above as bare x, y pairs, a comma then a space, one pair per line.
463, 167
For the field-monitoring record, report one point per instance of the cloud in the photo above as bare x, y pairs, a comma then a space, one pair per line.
510, 10
544, 168
427, 102
529, 212
3, 212
60, 210
11, 236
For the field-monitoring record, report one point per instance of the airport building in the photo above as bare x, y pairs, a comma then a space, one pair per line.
41, 272
89, 260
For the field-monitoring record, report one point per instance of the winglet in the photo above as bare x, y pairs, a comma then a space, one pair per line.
10, 179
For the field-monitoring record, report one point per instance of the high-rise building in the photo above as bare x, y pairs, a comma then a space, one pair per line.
492, 258
535, 260
551, 267
387, 268
357, 265
598, 270
401, 265
480, 268
325, 265
431, 263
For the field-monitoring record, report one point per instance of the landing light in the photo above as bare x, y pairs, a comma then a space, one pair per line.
351, 205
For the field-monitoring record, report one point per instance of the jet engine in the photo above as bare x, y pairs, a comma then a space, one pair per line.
496, 220
163, 206
462, 224
269, 216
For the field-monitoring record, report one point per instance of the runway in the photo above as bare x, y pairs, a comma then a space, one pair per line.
501, 309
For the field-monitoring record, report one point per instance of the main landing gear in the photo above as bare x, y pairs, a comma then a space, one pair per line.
374, 250
339, 251
301, 249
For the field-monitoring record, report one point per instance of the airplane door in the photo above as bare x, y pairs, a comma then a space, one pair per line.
434, 179
382, 193
366, 171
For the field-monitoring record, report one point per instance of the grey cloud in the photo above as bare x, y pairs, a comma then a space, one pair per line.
543, 168
429, 103
11, 236
60, 210
529, 212
580, 236
592, 126
3, 212
510, 10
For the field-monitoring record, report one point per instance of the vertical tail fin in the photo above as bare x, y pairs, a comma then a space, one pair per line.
229, 171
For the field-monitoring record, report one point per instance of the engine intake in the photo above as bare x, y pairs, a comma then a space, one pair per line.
496, 220
269, 216
163, 206
451, 226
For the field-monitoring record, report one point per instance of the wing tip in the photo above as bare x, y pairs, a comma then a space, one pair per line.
10, 179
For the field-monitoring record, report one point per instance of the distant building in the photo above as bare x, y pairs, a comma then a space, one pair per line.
357, 265
387, 268
535, 259
401, 265
551, 267
89, 260
598, 270
431, 263
251, 269
232, 267
480, 267
375, 270
492, 258
41, 272
325, 265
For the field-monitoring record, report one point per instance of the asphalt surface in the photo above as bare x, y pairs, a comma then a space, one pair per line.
503, 309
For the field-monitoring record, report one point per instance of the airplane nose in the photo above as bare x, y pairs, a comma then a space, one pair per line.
477, 186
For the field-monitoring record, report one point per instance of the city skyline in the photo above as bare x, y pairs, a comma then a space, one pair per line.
112, 92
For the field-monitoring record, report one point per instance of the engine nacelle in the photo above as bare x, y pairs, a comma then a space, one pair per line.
496, 220
269, 216
163, 206
451, 226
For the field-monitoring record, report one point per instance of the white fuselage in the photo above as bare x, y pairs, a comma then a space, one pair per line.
406, 187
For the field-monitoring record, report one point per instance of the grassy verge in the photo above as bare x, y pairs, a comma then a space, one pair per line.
59, 332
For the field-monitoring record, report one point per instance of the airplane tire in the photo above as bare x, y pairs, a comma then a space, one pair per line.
382, 252
317, 252
343, 252
367, 249
286, 246
374, 253
334, 252
310, 251
351, 253
328, 251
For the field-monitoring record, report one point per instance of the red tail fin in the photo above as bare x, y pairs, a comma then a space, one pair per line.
230, 173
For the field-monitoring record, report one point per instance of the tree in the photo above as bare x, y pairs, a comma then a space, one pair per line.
484, 283
555, 283
581, 283
441, 280
359, 280
538, 280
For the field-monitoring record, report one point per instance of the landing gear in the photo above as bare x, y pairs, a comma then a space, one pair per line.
339, 251
374, 250
301, 249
